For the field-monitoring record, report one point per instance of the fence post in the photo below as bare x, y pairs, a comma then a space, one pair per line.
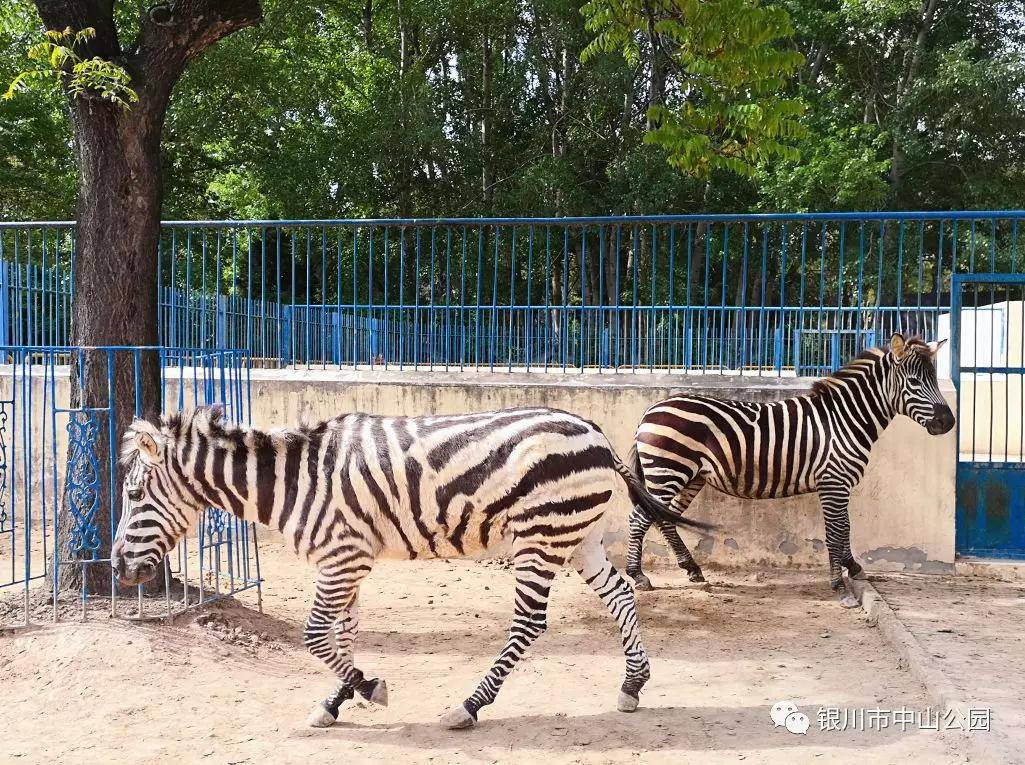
5, 313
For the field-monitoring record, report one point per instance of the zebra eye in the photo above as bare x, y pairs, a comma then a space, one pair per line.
135, 495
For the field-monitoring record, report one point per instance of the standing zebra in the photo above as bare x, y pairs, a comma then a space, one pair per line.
815, 442
356, 488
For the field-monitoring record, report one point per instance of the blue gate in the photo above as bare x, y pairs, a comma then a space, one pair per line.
988, 369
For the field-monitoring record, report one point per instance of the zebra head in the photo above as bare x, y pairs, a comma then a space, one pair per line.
913, 388
159, 507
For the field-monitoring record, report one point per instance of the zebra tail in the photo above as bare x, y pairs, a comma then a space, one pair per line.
655, 508
635, 463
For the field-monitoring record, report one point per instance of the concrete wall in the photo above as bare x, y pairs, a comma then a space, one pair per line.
902, 514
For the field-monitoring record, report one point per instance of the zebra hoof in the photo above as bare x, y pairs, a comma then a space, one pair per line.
849, 601
321, 717
642, 583
860, 576
626, 702
374, 691
458, 718
697, 576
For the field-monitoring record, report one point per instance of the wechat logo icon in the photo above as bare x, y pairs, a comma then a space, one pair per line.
785, 714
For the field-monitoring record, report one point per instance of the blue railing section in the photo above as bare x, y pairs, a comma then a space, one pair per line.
765, 294
55, 456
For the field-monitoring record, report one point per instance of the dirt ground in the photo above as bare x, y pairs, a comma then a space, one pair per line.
972, 629
231, 685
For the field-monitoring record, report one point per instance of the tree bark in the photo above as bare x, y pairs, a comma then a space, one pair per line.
118, 211
368, 25
487, 179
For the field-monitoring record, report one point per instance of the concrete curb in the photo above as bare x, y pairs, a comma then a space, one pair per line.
913, 657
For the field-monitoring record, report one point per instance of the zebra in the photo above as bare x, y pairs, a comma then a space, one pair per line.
358, 487
818, 442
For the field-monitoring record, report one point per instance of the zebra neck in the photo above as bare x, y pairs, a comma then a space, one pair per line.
861, 402
210, 477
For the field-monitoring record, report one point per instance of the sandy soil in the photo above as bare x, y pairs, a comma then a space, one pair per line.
972, 628
231, 685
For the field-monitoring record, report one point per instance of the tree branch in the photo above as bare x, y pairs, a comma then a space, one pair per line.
174, 33
80, 14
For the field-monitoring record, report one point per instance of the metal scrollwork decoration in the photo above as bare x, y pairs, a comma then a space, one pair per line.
82, 486
216, 521
3, 467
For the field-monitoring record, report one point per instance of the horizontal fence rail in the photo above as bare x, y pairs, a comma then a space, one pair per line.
755, 294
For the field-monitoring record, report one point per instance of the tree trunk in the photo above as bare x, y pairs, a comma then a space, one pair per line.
368, 25
914, 59
115, 274
487, 179
119, 200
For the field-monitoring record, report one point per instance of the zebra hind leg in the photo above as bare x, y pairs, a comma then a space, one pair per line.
680, 504
593, 565
639, 525
683, 557
534, 574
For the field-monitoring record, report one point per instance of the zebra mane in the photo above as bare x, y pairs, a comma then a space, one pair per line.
209, 420
860, 366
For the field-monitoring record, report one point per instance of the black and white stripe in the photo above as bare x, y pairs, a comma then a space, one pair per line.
358, 487
818, 442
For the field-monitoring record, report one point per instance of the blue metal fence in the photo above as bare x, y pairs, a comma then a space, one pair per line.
764, 294
50, 467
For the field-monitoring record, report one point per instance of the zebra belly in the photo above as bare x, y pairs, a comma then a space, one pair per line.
736, 487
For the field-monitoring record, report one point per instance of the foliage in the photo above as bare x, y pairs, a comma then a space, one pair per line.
37, 173
483, 107
56, 59
727, 69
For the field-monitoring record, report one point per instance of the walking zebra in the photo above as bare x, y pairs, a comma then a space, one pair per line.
815, 442
358, 487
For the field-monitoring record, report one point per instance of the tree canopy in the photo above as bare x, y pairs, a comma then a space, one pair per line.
511, 107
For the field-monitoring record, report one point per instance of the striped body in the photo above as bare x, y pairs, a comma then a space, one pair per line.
753, 450
819, 442
358, 487
427, 487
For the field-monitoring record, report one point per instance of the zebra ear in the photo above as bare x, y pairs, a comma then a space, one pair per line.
897, 345
934, 348
149, 442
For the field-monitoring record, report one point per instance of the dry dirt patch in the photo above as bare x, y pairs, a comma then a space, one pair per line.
231, 685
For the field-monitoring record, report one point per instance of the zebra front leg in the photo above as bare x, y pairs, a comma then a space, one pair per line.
334, 609
534, 576
854, 569
639, 525
592, 563
834, 501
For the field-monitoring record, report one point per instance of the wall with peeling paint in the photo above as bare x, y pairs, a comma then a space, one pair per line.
902, 514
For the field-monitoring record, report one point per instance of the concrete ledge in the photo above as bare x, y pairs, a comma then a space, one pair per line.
991, 568
914, 657
713, 383
910, 652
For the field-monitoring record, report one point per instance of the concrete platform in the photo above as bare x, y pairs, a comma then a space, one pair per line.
962, 637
